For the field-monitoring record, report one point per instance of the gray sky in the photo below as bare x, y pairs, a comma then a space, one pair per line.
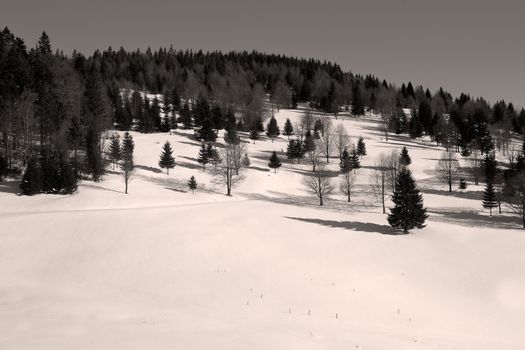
463, 45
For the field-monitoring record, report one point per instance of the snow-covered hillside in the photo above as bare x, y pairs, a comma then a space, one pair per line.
161, 268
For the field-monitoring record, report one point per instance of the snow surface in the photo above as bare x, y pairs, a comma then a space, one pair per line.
268, 268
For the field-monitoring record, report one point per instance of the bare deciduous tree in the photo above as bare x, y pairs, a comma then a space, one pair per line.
383, 177
447, 168
342, 140
229, 171
327, 138
319, 183
347, 183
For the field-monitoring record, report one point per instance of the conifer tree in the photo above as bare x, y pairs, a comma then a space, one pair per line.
114, 150
361, 148
32, 180
408, 211
95, 162
358, 107
308, 143
192, 184
166, 158
231, 136
295, 150
354, 158
185, 116
462, 183
203, 157
272, 129
490, 166
259, 125
3, 167
254, 134
275, 162
346, 164
288, 128
206, 132
489, 197
127, 165
245, 162
404, 158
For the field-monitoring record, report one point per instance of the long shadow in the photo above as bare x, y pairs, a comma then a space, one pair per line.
188, 165
474, 218
190, 143
12, 187
351, 225
99, 188
475, 195
149, 168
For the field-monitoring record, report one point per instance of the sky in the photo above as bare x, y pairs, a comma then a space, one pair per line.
477, 47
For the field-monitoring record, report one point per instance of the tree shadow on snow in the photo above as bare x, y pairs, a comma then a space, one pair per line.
473, 195
352, 225
149, 168
475, 218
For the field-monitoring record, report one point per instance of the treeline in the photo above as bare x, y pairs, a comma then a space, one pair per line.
54, 107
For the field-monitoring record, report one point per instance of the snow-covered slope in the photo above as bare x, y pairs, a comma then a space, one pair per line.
268, 268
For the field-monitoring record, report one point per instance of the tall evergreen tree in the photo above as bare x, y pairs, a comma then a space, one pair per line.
185, 116
95, 162
206, 132
361, 147
254, 134
347, 163
354, 158
204, 157
127, 165
166, 158
192, 184
288, 128
489, 197
32, 180
408, 211
358, 106
114, 150
272, 129
404, 158
275, 162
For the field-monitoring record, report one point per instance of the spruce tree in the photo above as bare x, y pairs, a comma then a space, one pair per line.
408, 211
361, 148
354, 159
275, 162
358, 107
95, 162
245, 162
309, 143
231, 136
206, 132
203, 157
192, 184
185, 116
462, 183
272, 129
295, 150
127, 165
346, 164
32, 180
404, 157
166, 158
288, 128
489, 197
3, 167
254, 134
490, 166
114, 150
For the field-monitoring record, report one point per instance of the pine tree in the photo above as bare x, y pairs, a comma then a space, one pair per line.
254, 134
127, 165
166, 158
203, 157
295, 150
114, 150
308, 143
206, 132
95, 162
275, 162
404, 158
354, 158
408, 211
185, 116
346, 164
192, 184
358, 107
288, 128
489, 197
361, 148
272, 129
3, 167
245, 162
462, 183
231, 136
490, 166
32, 180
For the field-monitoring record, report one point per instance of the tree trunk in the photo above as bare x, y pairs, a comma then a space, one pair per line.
450, 185
320, 200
